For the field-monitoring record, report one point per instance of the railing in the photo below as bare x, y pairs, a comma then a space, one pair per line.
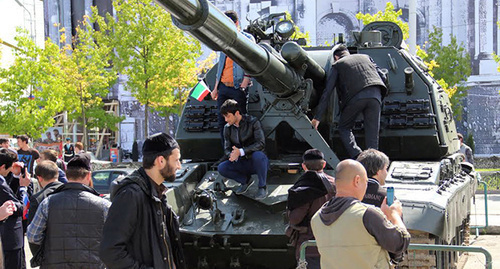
485, 208
303, 264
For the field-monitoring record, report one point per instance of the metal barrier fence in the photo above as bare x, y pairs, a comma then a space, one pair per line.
485, 186
303, 264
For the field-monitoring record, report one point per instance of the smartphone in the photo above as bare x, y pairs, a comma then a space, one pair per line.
390, 195
23, 172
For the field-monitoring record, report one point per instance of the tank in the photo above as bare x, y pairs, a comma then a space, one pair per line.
418, 133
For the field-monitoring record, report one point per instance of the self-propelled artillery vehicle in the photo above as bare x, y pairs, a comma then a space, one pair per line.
222, 230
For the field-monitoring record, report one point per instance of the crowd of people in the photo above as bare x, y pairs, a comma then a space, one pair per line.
67, 223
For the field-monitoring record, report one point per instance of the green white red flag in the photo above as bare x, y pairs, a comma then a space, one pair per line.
200, 91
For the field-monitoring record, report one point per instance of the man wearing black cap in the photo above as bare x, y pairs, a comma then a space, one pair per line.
307, 195
68, 223
360, 87
142, 231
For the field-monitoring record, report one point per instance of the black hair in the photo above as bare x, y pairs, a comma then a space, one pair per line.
23, 138
229, 106
3, 140
339, 51
76, 173
373, 161
148, 160
315, 165
232, 15
313, 159
7, 158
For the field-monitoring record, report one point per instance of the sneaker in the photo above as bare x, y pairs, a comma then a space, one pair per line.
261, 194
243, 188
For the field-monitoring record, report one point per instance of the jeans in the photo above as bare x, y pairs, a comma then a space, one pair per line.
243, 168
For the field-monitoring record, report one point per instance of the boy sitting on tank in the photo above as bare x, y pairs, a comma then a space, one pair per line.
244, 144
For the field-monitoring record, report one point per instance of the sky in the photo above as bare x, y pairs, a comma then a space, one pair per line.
13, 15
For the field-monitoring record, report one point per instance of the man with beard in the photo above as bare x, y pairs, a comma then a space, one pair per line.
141, 230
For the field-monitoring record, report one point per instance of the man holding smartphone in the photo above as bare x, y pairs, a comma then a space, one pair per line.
351, 234
11, 230
376, 164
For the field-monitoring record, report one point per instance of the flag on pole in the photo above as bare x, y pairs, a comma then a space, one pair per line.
200, 91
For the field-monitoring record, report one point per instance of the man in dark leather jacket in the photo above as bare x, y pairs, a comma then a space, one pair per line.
244, 143
141, 230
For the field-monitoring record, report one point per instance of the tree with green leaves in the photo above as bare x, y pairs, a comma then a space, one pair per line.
158, 59
450, 65
31, 89
88, 78
389, 14
496, 57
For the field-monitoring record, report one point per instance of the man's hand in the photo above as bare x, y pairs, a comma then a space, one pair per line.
214, 94
8, 208
393, 212
16, 168
315, 123
25, 180
235, 154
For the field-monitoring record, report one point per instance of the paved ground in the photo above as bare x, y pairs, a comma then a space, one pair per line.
489, 238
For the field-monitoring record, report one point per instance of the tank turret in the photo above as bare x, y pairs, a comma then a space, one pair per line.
417, 132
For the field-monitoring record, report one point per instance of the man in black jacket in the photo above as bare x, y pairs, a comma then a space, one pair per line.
142, 231
244, 143
376, 164
47, 174
305, 197
360, 87
11, 230
69, 222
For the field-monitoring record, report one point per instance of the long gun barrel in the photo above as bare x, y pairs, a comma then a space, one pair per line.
212, 27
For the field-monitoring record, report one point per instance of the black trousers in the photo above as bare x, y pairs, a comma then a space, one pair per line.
14, 259
370, 107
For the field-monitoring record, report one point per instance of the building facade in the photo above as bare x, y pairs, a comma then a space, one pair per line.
473, 22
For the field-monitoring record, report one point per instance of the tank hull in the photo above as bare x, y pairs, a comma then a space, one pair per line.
417, 131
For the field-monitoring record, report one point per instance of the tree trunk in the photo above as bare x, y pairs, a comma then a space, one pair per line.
167, 124
146, 119
85, 134
84, 118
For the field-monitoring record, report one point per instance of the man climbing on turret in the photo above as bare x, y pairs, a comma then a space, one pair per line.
360, 87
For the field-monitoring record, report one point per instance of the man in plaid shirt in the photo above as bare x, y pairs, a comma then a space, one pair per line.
68, 223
